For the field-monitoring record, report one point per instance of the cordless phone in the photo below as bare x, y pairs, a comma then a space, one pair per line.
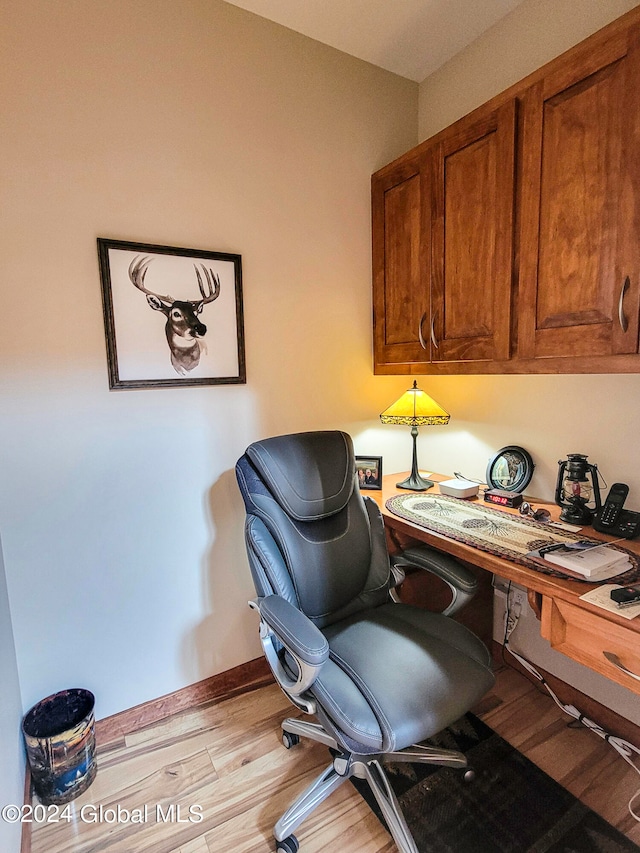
615, 520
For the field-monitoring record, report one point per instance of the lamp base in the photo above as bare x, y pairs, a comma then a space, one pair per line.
579, 515
415, 483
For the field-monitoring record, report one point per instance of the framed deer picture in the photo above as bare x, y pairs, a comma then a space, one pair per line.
172, 316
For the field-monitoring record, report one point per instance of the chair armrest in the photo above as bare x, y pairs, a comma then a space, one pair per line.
461, 580
294, 630
283, 623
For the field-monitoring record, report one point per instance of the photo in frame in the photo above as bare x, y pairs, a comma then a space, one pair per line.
172, 316
369, 471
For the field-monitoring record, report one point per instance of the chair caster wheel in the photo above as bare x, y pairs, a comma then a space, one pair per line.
289, 741
469, 776
289, 845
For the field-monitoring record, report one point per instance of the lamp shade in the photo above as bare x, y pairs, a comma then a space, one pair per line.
415, 408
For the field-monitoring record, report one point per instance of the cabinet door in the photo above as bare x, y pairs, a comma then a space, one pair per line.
401, 248
581, 207
473, 192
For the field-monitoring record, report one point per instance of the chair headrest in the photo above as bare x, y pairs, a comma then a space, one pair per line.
310, 474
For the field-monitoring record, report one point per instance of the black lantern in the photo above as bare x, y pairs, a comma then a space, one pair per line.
577, 485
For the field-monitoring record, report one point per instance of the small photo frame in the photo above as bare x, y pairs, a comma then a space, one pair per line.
369, 471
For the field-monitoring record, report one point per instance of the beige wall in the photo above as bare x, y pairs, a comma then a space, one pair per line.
534, 33
187, 123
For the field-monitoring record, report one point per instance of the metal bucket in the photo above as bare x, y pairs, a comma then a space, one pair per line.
60, 739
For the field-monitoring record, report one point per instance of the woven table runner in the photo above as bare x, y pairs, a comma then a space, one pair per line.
494, 531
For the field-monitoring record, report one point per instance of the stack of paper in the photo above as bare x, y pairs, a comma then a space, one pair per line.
596, 562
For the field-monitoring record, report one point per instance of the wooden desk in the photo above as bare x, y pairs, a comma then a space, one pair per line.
577, 629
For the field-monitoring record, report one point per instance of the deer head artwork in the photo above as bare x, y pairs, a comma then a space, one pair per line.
183, 328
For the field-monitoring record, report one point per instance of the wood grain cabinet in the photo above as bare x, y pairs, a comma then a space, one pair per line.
472, 210
401, 258
442, 226
579, 270
510, 242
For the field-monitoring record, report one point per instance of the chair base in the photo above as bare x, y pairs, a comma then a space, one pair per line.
366, 767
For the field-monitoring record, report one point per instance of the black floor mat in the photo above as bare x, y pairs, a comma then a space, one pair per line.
511, 806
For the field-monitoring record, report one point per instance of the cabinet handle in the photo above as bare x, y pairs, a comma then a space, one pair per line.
615, 660
624, 323
433, 334
423, 343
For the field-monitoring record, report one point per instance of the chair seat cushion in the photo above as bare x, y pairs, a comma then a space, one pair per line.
398, 674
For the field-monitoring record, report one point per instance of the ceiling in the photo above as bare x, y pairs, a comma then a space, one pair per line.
408, 37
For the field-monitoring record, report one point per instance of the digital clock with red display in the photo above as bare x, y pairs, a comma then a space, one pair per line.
502, 497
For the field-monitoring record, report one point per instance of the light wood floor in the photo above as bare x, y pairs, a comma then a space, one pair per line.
227, 758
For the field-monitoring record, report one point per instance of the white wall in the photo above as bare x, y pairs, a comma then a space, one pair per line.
11, 751
189, 123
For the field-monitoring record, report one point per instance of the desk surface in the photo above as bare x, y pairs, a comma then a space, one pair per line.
556, 588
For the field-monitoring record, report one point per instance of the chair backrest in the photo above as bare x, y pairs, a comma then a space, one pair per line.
311, 537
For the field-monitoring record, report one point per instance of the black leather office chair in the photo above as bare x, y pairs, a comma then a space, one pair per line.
379, 676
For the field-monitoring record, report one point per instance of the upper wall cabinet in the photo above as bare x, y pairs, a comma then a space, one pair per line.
510, 242
401, 259
442, 248
472, 240
580, 207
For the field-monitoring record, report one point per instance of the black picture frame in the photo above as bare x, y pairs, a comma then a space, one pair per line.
372, 464
159, 341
